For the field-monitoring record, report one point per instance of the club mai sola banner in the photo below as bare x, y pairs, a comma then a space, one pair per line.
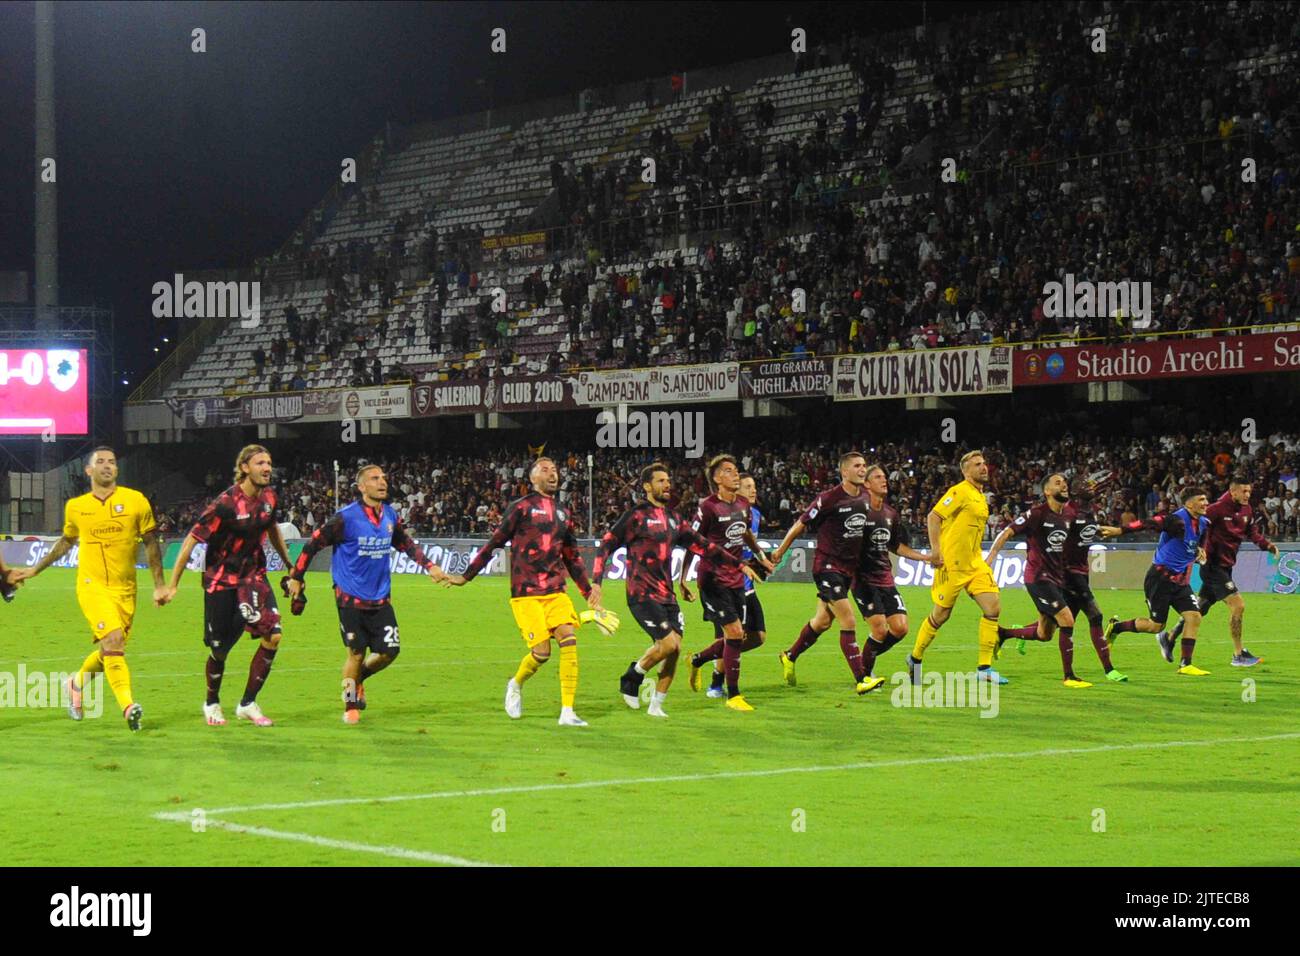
715, 382
984, 370
939, 372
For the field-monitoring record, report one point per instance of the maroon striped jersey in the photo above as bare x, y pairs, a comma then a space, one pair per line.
1230, 524
1046, 531
234, 527
1084, 527
724, 524
883, 532
542, 545
650, 532
837, 517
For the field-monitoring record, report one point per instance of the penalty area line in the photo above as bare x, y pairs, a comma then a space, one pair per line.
397, 852
775, 772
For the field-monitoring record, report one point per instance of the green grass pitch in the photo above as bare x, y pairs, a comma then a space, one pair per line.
1164, 770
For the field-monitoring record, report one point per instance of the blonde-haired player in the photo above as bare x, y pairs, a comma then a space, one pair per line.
108, 521
956, 526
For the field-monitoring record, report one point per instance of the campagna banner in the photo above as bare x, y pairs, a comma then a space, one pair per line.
984, 370
715, 382
1237, 355
787, 378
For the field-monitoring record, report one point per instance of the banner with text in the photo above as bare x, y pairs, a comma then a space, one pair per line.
1235, 355
786, 378
517, 393
715, 382
938, 373
523, 247
208, 412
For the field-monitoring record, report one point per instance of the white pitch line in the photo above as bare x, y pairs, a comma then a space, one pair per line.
394, 851
734, 774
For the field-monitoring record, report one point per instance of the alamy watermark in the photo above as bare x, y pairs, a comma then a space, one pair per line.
953, 689
637, 429
206, 300
40, 689
1084, 299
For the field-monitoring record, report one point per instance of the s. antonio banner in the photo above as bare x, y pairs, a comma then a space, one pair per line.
984, 370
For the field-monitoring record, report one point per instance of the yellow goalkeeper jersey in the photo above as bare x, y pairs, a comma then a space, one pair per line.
108, 529
965, 514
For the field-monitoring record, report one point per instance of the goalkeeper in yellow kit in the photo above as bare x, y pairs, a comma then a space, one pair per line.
956, 525
108, 521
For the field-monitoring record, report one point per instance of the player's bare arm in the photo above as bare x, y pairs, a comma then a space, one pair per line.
999, 541
933, 527
907, 551
61, 547
759, 554
787, 541
182, 559
153, 555
687, 595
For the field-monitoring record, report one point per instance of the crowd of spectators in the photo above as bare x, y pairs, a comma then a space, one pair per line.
466, 493
1126, 166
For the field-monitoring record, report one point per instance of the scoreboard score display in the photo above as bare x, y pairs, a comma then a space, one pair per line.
43, 392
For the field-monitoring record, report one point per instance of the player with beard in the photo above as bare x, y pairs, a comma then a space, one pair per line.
1231, 522
874, 590
1046, 527
1085, 527
236, 596
837, 515
543, 544
956, 527
723, 518
755, 620
107, 521
649, 531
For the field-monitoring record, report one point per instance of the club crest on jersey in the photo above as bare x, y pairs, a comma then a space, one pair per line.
118, 509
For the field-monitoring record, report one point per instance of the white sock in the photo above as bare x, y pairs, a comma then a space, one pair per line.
638, 668
658, 697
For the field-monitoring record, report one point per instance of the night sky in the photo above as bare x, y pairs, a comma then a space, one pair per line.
172, 160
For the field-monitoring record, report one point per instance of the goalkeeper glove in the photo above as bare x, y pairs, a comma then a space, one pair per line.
607, 621
299, 602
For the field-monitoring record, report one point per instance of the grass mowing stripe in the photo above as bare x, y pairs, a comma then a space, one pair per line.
775, 772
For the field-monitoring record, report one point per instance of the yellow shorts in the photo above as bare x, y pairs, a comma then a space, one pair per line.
106, 610
540, 614
948, 584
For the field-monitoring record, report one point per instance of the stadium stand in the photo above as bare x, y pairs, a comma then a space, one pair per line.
822, 178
